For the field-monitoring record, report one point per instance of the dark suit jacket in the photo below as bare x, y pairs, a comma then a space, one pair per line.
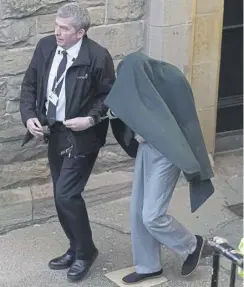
84, 95
155, 100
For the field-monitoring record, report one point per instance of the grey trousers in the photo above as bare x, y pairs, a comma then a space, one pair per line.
154, 182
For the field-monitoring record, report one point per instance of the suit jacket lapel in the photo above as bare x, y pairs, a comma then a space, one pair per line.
47, 67
49, 52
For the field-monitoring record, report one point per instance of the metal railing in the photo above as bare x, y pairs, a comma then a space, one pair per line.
221, 247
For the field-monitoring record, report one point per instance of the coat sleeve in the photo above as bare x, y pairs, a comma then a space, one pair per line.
28, 94
104, 79
125, 137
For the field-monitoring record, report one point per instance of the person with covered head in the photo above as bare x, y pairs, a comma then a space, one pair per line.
157, 123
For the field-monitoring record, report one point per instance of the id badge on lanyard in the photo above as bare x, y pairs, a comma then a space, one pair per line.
52, 97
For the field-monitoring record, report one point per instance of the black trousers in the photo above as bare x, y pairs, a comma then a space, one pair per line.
70, 176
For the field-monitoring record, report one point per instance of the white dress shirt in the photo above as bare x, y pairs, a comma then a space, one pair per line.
72, 54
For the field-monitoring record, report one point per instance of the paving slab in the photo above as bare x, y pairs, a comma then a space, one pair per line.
116, 277
25, 254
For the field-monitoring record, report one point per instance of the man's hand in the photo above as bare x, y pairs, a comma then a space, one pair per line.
34, 127
139, 139
79, 124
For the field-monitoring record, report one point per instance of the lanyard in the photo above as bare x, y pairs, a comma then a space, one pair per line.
60, 79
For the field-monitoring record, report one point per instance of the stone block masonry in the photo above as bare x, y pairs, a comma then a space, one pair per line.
116, 24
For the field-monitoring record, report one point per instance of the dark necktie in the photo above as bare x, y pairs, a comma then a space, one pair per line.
57, 85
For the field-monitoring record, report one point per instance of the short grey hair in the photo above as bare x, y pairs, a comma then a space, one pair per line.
79, 14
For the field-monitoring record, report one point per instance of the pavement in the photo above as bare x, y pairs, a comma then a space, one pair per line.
26, 251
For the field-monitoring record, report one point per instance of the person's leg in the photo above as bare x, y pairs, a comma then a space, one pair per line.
145, 248
71, 183
165, 228
161, 181
55, 164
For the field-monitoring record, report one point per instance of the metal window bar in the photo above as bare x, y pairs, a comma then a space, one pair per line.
221, 247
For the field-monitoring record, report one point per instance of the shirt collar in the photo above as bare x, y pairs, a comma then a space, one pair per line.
72, 51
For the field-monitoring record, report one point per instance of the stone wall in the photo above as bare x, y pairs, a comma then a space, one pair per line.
116, 24
205, 63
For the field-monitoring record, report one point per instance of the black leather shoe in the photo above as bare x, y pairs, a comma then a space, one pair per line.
62, 262
192, 261
80, 268
135, 278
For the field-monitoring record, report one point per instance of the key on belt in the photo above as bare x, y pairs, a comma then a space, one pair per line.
67, 151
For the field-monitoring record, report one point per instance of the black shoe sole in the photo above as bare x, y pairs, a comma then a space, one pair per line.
53, 267
83, 274
199, 258
145, 279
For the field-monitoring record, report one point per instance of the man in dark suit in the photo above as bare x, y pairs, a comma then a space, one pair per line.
64, 88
